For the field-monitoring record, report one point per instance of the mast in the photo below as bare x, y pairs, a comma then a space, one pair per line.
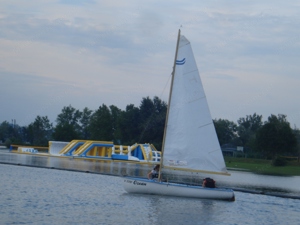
169, 102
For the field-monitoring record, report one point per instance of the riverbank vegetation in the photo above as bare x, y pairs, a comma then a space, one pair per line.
249, 137
263, 166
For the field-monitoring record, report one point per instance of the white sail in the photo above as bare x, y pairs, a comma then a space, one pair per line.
190, 141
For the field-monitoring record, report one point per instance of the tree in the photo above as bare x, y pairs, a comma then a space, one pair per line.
297, 135
6, 131
251, 122
65, 132
129, 125
152, 121
39, 132
276, 137
85, 123
115, 123
146, 111
247, 128
68, 126
11, 133
71, 116
101, 124
159, 122
226, 131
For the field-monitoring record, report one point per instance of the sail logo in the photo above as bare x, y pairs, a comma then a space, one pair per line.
180, 62
177, 163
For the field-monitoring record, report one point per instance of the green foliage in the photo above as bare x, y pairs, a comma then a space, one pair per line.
129, 125
262, 166
6, 131
68, 124
39, 132
101, 124
276, 137
279, 162
296, 132
145, 124
85, 123
134, 125
226, 131
7, 143
251, 122
115, 123
247, 128
65, 132
12, 132
152, 121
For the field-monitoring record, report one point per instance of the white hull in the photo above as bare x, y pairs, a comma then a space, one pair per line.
145, 186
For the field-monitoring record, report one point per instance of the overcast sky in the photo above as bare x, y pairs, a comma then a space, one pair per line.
88, 53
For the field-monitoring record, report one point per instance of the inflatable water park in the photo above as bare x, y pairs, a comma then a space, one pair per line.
103, 150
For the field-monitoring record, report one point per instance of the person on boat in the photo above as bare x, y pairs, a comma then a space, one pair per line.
208, 182
154, 173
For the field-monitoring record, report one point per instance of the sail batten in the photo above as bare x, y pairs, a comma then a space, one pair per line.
205, 125
189, 72
197, 99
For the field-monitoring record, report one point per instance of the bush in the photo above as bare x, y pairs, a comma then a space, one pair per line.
279, 162
8, 143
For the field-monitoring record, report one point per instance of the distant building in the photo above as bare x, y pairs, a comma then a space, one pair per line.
232, 150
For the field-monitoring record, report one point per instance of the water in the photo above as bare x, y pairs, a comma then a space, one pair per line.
238, 179
44, 196
47, 196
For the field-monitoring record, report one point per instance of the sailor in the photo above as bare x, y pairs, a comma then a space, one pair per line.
154, 173
208, 182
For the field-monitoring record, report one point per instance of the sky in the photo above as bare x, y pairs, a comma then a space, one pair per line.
56, 53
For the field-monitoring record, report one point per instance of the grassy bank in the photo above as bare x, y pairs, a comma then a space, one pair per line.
262, 166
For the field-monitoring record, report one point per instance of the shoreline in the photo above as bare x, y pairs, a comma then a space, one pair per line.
261, 166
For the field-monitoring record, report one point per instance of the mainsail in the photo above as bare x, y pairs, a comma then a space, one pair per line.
190, 141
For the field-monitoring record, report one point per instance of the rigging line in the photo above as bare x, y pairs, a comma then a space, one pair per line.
216, 150
166, 85
150, 118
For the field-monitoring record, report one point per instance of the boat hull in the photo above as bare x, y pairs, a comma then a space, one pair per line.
145, 186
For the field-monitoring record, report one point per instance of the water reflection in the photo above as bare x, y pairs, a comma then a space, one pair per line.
266, 182
88, 165
237, 179
164, 207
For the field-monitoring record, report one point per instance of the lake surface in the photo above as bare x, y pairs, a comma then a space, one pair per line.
31, 195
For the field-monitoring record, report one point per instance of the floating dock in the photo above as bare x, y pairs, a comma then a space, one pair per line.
97, 150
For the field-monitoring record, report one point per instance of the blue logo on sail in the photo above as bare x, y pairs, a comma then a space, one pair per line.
180, 62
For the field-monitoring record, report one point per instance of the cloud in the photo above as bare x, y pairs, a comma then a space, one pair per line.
77, 2
86, 53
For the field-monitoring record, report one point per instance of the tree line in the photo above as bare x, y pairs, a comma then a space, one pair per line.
267, 139
145, 124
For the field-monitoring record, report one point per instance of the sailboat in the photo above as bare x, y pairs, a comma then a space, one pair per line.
190, 142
